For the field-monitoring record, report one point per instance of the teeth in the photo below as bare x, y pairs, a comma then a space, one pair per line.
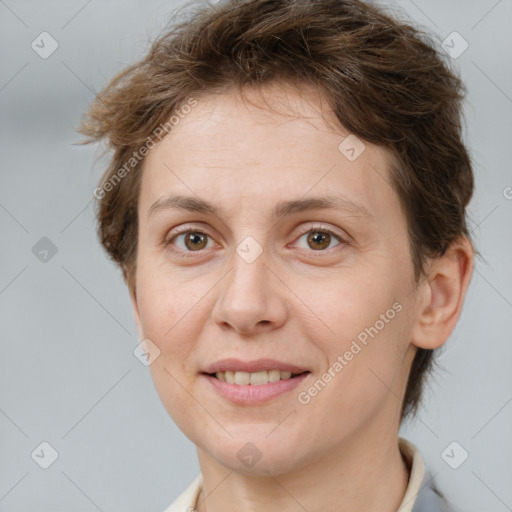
255, 379
242, 378
258, 378
274, 375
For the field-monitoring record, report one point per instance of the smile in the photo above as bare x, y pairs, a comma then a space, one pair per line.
253, 388
256, 378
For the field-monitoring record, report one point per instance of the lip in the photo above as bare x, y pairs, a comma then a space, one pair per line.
258, 365
250, 394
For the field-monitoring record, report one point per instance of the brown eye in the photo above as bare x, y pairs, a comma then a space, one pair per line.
320, 239
190, 241
195, 240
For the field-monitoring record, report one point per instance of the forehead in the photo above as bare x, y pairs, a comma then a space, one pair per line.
254, 151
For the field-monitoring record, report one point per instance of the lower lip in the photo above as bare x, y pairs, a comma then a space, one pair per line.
249, 394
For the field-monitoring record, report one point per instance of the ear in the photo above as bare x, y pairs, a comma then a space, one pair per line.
136, 315
441, 295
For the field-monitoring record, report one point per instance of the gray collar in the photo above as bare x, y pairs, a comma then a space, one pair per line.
429, 498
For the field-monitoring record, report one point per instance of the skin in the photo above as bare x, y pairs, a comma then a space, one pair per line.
294, 303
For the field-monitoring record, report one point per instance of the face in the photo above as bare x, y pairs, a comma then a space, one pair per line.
269, 273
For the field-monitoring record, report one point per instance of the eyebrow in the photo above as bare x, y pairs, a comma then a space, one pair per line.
281, 210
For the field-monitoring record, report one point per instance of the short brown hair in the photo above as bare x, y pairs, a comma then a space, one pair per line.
385, 81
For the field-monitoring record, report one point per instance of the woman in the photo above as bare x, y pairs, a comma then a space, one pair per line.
286, 199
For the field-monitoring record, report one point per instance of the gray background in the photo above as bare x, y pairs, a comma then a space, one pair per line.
68, 375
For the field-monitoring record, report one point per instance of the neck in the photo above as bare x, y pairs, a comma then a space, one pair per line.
351, 478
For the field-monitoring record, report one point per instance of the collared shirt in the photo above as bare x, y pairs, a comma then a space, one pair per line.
419, 496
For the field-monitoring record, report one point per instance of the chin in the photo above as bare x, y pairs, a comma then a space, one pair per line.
258, 457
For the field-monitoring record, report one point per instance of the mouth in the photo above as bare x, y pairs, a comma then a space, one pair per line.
259, 378
253, 382
254, 388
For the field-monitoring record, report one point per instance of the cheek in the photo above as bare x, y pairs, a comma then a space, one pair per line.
364, 382
366, 339
168, 318
350, 304
164, 297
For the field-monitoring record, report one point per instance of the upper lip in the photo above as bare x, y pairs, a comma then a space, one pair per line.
258, 365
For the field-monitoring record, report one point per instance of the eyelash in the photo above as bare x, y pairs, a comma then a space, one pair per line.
313, 229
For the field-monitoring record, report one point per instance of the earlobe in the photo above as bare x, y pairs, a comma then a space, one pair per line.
441, 295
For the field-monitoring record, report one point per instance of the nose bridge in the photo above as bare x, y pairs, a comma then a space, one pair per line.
249, 275
249, 297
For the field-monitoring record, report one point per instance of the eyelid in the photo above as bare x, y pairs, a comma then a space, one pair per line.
316, 226
343, 240
184, 229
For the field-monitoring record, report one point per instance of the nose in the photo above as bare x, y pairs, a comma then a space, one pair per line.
252, 299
